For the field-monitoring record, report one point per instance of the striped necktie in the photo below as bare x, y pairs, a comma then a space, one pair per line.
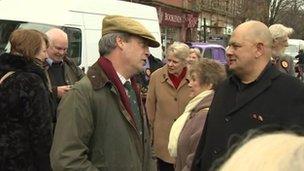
134, 105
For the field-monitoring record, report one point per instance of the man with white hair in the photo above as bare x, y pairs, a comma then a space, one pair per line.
62, 71
280, 35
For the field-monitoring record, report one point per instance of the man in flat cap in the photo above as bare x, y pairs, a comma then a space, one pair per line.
102, 124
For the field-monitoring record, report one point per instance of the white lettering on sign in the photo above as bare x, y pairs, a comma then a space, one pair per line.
173, 18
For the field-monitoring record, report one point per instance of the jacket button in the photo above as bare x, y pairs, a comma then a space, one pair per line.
227, 119
215, 151
175, 98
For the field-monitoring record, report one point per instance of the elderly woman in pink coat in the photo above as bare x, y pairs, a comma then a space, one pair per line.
205, 75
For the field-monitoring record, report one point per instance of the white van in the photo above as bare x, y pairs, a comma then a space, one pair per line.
80, 19
294, 45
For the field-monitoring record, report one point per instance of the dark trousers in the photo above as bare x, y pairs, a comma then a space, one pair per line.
164, 166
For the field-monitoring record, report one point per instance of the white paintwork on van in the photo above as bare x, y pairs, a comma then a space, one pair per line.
294, 45
85, 15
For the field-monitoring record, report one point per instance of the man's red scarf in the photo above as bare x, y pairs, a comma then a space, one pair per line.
109, 70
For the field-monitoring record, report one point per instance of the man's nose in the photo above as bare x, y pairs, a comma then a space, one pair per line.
229, 50
62, 51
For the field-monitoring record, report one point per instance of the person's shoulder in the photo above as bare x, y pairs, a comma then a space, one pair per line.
160, 71
29, 78
68, 61
289, 81
287, 58
83, 84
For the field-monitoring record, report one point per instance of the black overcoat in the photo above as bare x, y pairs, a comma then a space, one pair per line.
274, 98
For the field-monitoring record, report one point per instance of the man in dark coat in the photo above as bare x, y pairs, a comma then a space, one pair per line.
255, 95
62, 72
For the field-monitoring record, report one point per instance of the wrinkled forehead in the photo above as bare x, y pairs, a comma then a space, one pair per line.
245, 35
60, 41
237, 38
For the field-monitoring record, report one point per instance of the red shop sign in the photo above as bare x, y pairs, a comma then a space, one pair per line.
169, 17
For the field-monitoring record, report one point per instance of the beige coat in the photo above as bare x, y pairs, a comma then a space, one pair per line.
164, 105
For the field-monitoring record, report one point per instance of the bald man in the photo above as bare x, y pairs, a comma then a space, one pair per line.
255, 95
62, 71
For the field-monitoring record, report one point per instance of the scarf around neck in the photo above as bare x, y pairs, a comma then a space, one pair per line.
176, 80
178, 125
110, 72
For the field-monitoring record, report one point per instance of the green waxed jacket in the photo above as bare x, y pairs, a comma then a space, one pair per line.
95, 132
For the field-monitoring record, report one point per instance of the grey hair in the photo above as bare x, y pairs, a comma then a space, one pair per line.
179, 50
279, 30
107, 43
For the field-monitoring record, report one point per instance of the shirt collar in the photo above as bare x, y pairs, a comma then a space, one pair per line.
122, 78
51, 61
241, 86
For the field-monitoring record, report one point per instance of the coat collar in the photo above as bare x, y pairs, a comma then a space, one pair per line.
265, 80
205, 103
97, 77
11, 62
165, 77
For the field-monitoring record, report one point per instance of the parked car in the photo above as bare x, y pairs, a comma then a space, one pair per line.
211, 51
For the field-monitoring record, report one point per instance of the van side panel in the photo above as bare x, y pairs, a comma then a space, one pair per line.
85, 15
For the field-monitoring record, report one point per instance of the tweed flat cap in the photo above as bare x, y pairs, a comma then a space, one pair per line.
113, 23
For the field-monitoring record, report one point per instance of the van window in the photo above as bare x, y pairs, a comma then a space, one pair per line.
207, 53
219, 54
74, 36
74, 50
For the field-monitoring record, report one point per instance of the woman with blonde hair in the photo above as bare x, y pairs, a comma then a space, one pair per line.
280, 35
205, 76
194, 56
166, 99
25, 123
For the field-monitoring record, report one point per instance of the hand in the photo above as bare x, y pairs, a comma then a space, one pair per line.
61, 90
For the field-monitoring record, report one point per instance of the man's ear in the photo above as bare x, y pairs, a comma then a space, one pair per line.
260, 50
119, 42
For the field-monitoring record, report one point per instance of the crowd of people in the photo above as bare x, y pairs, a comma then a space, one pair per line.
133, 112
